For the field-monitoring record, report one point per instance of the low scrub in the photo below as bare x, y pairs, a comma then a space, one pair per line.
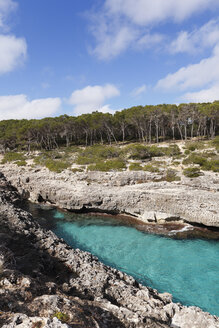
96, 153
169, 176
12, 157
135, 167
56, 165
194, 145
203, 162
151, 168
21, 163
192, 172
63, 317
110, 165
142, 152
215, 143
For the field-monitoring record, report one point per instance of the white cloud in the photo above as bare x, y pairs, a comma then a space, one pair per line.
18, 107
12, 49
205, 37
145, 12
6, 7
193, 76
112, 43
92, 98
138, 91
12, 52
206, 95
123, 24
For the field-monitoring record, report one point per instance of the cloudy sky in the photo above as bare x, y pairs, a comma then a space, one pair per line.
74, 57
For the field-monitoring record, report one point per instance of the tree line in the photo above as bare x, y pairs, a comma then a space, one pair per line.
140, 123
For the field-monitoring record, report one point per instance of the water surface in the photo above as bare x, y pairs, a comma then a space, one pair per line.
188, 269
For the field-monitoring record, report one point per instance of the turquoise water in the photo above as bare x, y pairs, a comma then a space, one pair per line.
188, 269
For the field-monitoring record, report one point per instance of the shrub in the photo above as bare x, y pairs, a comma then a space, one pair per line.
56, 166
21, 163
195, 159
192, 172
96, 153
176, 163
151, 168
109, 165
63, 317
12, 156
75, 169
137, 152
83, 160
215, 143
135, 167
193, 145
172, 150
171, 175
212, 165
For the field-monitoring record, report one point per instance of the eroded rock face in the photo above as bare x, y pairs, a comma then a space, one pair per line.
43, 280
133, 193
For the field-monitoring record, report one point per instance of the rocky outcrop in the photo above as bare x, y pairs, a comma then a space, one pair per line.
45, 283
133, 193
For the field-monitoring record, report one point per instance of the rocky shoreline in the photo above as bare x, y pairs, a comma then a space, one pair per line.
193, 201
43, 280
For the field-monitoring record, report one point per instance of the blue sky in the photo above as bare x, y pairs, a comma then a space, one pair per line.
73, 57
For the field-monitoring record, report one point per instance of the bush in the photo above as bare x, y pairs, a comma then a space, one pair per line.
96, 153
215, 143
144, 152
110, 165
13, 156
56, 166
21, 163
63, 317
195, 159
208, 165
192, 172
135, 167
172, 150
171, 175
193, 145
151, 168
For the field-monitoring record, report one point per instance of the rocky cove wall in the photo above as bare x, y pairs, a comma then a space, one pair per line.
40, 275
133, 193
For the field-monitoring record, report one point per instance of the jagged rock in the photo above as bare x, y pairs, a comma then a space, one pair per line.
43, 280
133, 193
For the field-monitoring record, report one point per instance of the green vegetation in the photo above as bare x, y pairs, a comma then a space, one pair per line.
151, 168
56, 166
21, 163
206, 163
135, 167
194, 145
12, 157
170, 176
63, 317
141, 152
215, 143
192, 172
96, 153
145, 124
110, 165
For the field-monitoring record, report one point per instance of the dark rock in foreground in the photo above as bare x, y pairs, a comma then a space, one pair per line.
42, 278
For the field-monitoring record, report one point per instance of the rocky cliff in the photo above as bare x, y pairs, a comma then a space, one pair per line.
133, 193
45, 283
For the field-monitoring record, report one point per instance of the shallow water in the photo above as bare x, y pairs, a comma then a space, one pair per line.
188, 269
